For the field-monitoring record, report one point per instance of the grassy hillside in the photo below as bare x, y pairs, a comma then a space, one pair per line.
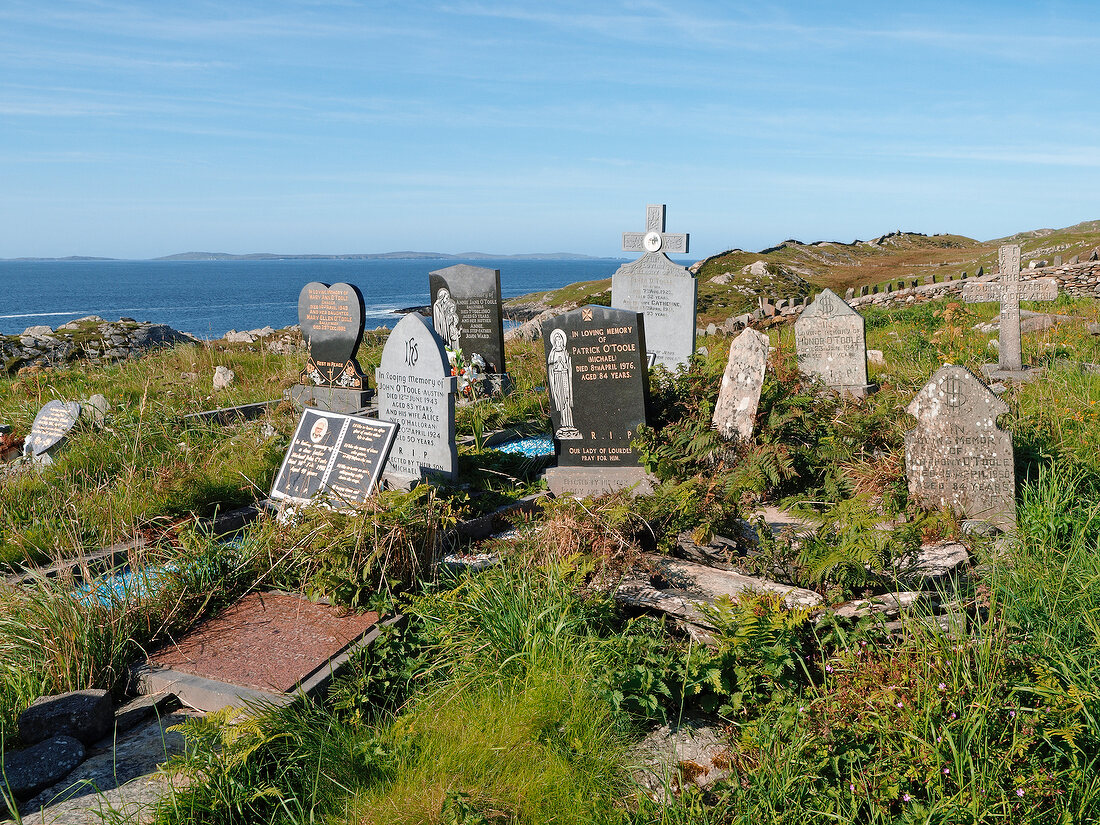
793, 265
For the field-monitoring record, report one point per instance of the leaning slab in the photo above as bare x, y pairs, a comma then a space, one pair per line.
86, 715
269, 647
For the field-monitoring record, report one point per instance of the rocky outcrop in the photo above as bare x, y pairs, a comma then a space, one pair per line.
90, 338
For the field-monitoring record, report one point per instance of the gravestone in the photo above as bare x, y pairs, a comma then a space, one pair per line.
467, 315
739, 395
48, 431
956, 456
598, 382
417, 391
831, 343
335, 457
663, 291
1009, 291
331, 318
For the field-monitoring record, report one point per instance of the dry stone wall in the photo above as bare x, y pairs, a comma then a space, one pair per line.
90, 338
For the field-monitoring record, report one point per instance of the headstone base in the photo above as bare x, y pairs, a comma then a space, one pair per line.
588, 481
994, 373
330, 399
858, 390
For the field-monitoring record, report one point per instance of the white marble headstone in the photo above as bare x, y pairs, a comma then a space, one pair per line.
739, 395
417, 392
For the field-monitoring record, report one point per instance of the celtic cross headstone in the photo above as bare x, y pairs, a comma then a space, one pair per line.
1009, 290
663, 291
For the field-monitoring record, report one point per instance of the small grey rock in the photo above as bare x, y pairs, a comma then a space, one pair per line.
223, 377
96, 408
977, 527
86, 715
39, 766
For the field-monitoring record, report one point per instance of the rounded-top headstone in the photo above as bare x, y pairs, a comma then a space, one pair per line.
417, 392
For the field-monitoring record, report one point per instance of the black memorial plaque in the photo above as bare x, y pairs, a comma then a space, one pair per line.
598, 383
51, 425
336, 456
467, 314
331, 318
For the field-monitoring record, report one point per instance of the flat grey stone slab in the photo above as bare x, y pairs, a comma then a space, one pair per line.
330, 399
583, 482
713, 584
30, 770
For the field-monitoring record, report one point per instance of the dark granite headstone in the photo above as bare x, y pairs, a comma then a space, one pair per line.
331, 318
956, 456
598, 382
335, 456
52, 424
416, 390
663, 291
467, 314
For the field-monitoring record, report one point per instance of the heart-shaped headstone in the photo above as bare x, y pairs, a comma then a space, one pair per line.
50, 426
331, 318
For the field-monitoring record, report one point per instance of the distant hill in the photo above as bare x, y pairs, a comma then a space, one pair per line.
791, 268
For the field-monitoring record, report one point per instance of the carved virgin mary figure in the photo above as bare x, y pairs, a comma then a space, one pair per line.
445, 318
559, 373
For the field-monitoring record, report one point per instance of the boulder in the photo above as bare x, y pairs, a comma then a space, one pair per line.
30, 770
234, 337
674, 757
86, 715
756, 268
38, 331
223, 377
933, 564
722, 279
96, 409
888, 605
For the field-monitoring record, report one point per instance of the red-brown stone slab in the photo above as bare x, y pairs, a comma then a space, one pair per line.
266, 641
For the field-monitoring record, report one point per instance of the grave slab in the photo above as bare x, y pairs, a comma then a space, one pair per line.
335, 457
266, 646
956, 456
831, 343
663, 291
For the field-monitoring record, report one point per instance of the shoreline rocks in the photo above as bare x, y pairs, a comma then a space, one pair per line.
86, 339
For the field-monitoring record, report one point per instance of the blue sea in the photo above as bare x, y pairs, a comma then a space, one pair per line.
208, 298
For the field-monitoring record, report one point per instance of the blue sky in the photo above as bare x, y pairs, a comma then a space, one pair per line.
137, 129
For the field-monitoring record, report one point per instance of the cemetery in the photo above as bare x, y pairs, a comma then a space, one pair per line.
621, 569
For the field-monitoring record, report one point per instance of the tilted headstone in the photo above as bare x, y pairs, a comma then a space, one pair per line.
331, 318
739, 395
956, 456
1009, 291
663, 291
333, 457
51, 426
417, 392
467, 314
831, 343
597, 381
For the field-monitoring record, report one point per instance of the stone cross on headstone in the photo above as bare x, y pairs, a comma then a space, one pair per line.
655, 239
1009, 291
663, 291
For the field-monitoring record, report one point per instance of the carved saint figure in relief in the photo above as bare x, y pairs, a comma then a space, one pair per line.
445, 318
559, 373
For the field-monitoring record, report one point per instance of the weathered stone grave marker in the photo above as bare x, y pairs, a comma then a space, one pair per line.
50, 428
663, 291
417, 391
331, 318
598, 382
467, 315
831, 343
739, 395
335, 456
956, 456
1009, 291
